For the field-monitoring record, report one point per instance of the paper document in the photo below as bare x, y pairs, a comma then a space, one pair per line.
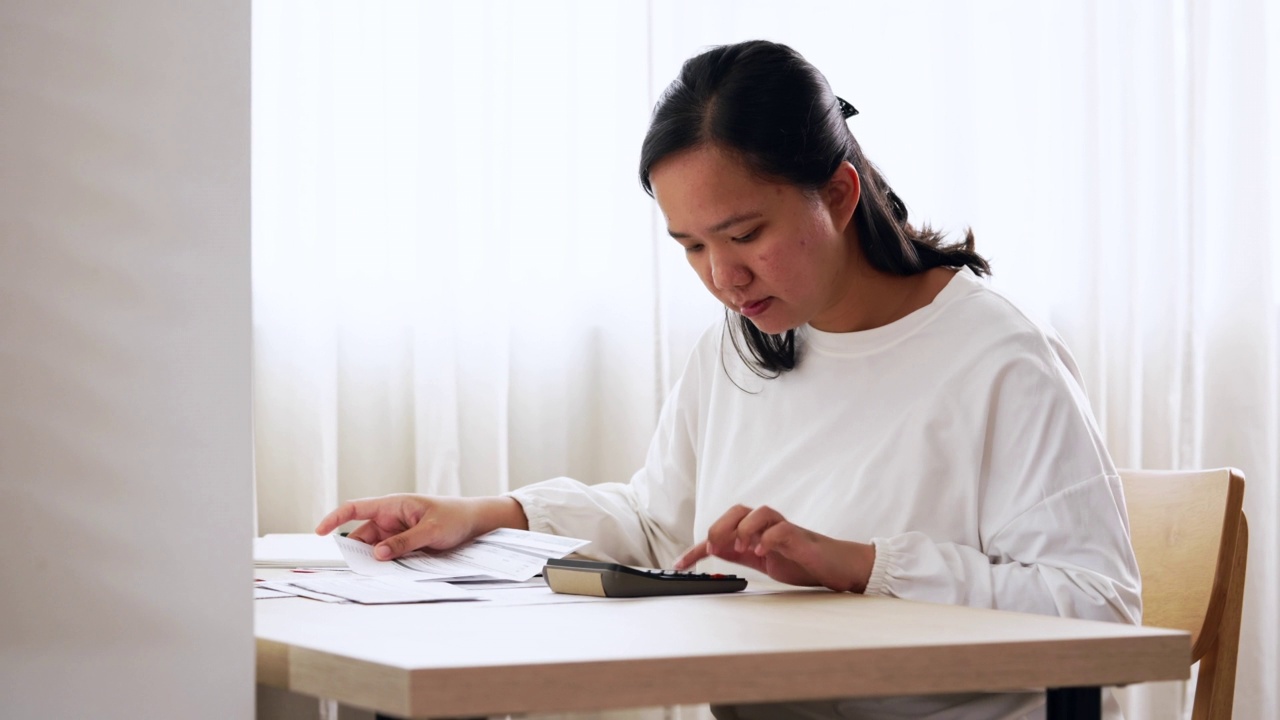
296, 550
288, 588
555, 545
503, 554
381, 590
533, 592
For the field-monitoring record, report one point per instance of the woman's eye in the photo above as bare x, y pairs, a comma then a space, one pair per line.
748, 237
692, 248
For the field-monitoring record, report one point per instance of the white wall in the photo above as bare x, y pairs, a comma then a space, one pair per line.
125, 439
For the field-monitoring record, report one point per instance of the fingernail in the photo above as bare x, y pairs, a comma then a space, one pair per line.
737, 545
382, 552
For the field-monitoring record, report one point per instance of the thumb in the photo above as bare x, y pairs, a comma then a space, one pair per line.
402, 544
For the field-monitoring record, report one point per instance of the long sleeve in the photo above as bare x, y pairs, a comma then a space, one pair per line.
1054, 532
646, 522
1036, 563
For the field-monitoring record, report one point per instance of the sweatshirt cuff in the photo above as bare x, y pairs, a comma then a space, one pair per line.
882, 571
535, 511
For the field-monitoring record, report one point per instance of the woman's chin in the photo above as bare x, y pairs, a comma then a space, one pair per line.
772, 326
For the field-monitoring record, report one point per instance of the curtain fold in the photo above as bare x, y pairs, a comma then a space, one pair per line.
460, 288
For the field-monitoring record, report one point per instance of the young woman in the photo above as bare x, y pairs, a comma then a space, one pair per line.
871, 418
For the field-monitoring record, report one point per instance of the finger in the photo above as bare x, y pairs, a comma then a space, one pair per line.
368, 533
723, 531
346, 512
784, 539
406, 542
754, 525
692, 555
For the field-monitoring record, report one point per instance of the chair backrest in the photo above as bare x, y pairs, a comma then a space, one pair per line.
1191, 539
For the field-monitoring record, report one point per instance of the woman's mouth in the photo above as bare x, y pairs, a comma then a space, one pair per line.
756, 307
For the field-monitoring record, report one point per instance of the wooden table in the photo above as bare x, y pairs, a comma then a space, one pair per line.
467, 659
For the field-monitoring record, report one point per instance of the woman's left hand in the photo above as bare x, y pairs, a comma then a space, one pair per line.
763, 540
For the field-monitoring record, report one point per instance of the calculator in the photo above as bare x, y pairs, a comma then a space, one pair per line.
604, 579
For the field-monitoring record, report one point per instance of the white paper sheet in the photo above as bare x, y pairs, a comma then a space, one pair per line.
382, 590
296, 550
502, 554
531, 596
554, 545
284, 586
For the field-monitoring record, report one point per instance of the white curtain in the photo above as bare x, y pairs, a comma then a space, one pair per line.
460, 288
456, 288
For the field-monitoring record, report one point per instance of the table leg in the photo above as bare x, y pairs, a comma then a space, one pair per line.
1074, 703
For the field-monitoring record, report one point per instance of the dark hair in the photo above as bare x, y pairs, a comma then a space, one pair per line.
765, 103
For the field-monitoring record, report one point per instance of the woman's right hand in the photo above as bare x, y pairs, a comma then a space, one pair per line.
399, 524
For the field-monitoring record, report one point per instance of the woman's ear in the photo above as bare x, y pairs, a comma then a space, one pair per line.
842, 194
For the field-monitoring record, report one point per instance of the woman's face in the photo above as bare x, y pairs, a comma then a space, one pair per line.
769, 251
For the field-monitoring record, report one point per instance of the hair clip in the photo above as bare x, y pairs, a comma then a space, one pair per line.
846, 109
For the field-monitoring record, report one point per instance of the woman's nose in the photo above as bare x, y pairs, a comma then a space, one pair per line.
727, 272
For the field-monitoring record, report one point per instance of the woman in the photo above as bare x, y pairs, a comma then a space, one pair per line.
871, 418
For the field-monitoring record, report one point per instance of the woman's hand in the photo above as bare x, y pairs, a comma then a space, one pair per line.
763, 540
399, 524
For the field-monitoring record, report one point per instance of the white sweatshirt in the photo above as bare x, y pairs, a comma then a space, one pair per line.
958, 440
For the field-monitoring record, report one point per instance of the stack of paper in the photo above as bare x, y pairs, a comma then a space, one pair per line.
503, 554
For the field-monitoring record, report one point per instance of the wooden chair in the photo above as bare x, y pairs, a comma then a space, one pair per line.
1191, 539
